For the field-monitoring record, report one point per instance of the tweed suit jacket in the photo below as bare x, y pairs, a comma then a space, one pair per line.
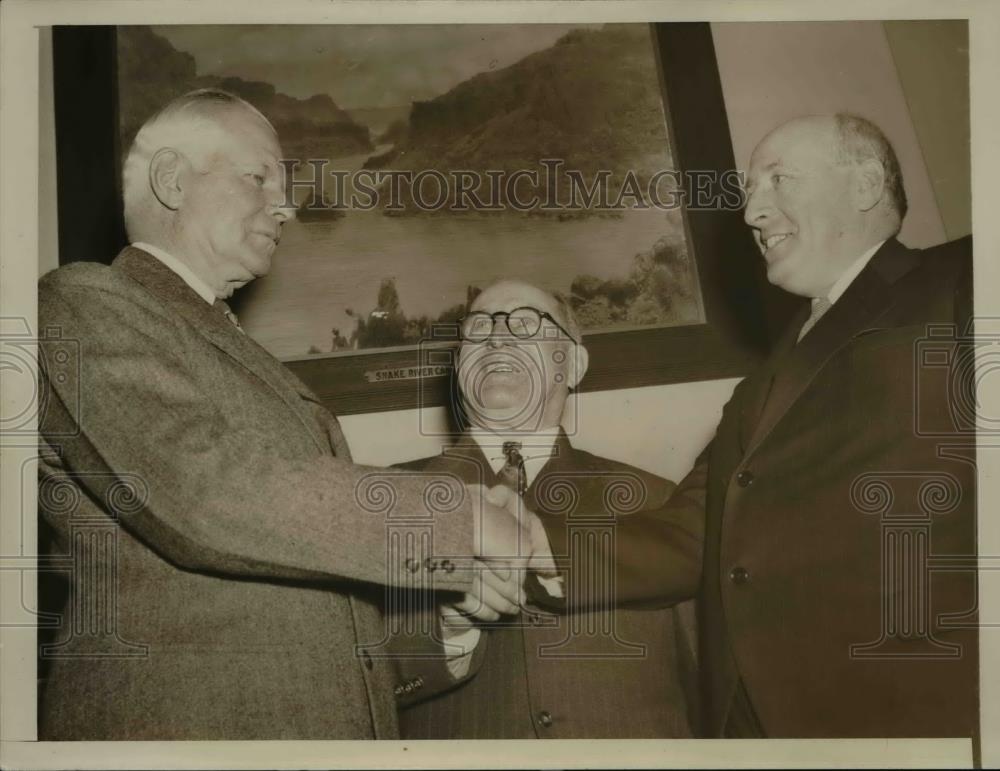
225, 561
585, 672
840, 499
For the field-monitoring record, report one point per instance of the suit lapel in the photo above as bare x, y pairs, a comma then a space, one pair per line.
467, 459
175, 294
760, 383
562, 460
794, 366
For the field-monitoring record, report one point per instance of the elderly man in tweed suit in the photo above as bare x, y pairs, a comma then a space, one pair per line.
228, 559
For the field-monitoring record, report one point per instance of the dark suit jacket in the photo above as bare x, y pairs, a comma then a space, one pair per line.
585, 673
839, 490
224, 557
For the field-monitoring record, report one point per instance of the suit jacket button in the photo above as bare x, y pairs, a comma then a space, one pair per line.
545, 719
366, 659
412, 565
418, 682
744, 478
739, 575
398, 690
408, 688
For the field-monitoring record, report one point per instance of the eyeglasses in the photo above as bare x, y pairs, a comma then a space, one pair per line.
522, 323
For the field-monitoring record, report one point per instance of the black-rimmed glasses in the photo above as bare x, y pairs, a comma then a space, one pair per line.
522, 323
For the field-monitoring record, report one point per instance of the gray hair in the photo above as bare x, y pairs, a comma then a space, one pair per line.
862, 140
182, 123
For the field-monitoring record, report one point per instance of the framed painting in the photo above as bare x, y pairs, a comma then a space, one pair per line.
426, 162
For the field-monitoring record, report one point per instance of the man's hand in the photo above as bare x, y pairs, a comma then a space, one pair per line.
537, 550
542, 561
501, 532
510, 540
492, 594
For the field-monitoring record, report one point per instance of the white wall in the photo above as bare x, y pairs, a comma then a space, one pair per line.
772, 72
932, 59
660, 429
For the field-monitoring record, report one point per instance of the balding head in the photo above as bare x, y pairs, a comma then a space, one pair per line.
859, 140
822, 190
512, 293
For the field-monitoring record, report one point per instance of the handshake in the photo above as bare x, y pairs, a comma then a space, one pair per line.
508, 540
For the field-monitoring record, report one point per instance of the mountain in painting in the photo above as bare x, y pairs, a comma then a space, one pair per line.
592, 100
151, 72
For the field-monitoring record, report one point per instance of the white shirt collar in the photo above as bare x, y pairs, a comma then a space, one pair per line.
850, 274
182, 270
536, 449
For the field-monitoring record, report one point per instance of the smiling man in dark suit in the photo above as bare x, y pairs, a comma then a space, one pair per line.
228, 559
838, 472
572, 665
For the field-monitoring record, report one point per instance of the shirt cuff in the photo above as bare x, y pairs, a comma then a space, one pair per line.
459, 643
552, 584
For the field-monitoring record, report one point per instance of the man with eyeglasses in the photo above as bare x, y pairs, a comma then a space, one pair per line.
571, 664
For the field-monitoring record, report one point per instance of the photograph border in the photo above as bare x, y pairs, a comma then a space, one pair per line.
19, 261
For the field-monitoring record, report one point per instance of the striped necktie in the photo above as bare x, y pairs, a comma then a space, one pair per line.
513, 475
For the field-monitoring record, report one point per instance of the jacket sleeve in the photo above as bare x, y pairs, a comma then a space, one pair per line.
422, 656
654, 556
133, 420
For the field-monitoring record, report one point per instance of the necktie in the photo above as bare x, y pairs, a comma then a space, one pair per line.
819, 306
512, 474
223, 306
514, 477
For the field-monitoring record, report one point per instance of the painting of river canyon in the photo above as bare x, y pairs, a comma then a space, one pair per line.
525, 151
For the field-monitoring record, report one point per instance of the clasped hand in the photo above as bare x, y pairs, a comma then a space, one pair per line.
508, 540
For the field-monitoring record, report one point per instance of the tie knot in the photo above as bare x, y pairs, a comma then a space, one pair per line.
512, 452
513, 475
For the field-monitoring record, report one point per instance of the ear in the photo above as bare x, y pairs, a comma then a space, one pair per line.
166, 168
582, 361
869, 184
